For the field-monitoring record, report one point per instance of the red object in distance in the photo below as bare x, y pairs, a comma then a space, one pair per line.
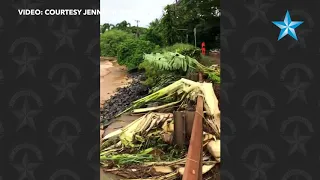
203, 48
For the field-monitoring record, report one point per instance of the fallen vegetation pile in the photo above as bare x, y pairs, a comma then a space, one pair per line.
145, 149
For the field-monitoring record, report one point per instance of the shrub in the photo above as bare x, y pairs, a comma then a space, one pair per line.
157, 78
152, 36
110, 41
184, 49
131, 51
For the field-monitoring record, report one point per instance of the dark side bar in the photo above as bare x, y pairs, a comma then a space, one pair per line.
49, 83
270, 89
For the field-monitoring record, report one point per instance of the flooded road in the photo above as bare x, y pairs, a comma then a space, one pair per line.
112, 76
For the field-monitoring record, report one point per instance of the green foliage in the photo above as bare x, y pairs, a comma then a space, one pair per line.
215, 75
154, 33
184, 49
129, 159
105, 27
110, 41
175, 62
150, 72
157, 78
169, 25
169, 61
130, 52
123, 25
137, 30
157, 49
202, 15
153, 36
206, 60
159, 72
214, 78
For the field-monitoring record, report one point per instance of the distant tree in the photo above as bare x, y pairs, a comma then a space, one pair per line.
169, 25
153, 33
188, 14
106, 26
124, 25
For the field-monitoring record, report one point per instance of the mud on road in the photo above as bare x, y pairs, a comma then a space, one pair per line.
112, 76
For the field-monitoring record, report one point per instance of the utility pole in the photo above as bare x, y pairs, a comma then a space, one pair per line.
137, 33
195, 36
137, 22
186, 33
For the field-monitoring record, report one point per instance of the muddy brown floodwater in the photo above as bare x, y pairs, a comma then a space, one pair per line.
112, 76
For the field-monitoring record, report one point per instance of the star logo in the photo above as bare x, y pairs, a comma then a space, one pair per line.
287, 26
65, 36
258, 168
26, 63
65, 89
297, 142
258, 63
297, 89
26, 169
258, 11
65, 142
258, 116
27, 4
26, 115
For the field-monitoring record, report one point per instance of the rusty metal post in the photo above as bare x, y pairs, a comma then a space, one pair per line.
193, 168
201, 130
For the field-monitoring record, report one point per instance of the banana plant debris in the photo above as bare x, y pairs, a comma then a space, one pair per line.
144, 149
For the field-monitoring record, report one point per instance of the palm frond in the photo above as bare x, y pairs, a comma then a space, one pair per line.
170, 61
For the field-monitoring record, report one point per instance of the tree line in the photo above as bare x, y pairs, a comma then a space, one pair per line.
178, 23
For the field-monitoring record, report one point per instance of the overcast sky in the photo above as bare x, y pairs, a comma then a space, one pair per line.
115, 11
